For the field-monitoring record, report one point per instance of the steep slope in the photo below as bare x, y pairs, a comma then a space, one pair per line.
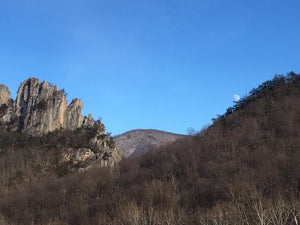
244, 169
137, 142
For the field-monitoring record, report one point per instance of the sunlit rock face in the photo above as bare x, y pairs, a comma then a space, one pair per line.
41, 107
5, 94
85, 159
6, 105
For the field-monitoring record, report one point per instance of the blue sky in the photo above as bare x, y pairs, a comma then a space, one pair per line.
162, 64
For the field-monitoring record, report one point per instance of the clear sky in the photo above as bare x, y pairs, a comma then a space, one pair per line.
162, 64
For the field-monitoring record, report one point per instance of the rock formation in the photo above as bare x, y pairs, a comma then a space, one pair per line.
6, 105
41, 108
5, 95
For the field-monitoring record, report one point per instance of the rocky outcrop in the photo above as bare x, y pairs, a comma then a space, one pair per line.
5, 95
73, 117
137, 142
41, 108
84, 158
103, 153
6, 105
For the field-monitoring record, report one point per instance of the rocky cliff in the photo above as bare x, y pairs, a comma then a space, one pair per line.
41, 108
5, 94
6, 105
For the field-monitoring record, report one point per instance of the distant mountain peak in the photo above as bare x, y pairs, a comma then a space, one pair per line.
139, 141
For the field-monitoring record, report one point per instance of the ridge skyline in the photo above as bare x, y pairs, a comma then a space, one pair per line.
89, 108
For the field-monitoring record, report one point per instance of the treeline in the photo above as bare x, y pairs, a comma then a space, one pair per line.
244, 169
279, 86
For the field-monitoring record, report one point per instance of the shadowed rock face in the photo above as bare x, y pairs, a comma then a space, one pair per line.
137, 142
41, 108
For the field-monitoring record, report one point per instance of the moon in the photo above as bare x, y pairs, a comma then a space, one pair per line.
236, 97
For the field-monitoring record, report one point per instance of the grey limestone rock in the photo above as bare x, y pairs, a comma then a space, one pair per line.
5, 94
6, 105
41, 108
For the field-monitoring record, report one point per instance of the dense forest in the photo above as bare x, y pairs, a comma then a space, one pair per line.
243, 169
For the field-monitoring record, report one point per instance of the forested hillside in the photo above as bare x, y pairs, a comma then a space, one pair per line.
137, 142
243, 169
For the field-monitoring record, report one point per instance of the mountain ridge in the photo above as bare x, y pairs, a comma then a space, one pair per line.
149, 129
139, 141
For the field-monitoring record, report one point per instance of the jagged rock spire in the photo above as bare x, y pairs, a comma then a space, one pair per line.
5, 94
41, 107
